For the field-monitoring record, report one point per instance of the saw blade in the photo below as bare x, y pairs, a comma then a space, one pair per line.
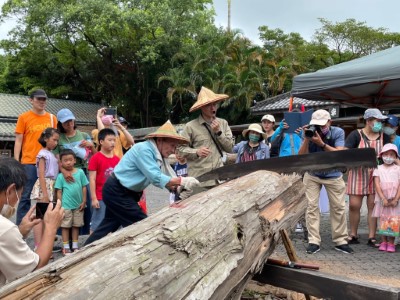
312, 162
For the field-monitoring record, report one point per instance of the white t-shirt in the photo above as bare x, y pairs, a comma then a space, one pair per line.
16, 258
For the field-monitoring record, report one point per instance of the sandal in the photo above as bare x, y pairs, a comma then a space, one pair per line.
372, 242
352, 239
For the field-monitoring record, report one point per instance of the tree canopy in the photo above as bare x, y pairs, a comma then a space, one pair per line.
150, 58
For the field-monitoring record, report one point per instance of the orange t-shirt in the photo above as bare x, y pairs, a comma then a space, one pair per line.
31, 125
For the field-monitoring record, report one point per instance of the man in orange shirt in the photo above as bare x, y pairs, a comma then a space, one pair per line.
27, 132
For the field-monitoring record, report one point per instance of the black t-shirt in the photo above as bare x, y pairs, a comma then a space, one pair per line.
354, 138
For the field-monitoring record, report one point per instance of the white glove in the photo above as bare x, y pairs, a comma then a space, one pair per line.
189, 182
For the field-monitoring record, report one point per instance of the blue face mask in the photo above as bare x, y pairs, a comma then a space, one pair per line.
254, 137
377, 127
388, 130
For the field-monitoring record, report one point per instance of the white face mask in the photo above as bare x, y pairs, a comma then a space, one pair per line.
8, 211
388, 160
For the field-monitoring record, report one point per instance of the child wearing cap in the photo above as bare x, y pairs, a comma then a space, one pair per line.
387, 195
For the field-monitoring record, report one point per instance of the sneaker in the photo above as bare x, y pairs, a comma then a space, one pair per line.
66, 251
75, 249
383, 246
299, 228
344, 248
391, 248
312, 248
56, 249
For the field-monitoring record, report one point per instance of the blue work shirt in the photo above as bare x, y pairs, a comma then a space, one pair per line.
334, 138
139, 168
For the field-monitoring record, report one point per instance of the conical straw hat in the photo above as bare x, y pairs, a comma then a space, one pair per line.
167, 131
205, 97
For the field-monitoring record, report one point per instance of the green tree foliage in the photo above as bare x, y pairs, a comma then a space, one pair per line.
101, 50
351, 39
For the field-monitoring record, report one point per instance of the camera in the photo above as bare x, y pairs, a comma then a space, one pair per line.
110, 111
311, 130
41, 208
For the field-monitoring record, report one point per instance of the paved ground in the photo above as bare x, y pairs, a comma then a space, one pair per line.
366, 263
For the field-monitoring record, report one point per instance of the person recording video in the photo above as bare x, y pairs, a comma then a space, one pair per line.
320, 136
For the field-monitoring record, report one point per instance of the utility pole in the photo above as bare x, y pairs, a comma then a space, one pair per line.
229, 15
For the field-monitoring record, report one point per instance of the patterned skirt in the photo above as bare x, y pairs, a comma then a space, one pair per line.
37, 193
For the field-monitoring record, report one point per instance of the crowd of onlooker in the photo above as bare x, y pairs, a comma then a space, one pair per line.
93, 183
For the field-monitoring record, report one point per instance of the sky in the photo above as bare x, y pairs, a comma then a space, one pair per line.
294, 15
302, 15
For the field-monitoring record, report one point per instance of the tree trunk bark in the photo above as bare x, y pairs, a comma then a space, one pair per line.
206, 248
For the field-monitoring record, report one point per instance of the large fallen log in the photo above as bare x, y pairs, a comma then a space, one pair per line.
205, 249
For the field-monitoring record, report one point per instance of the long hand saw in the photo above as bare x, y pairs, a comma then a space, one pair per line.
319, 161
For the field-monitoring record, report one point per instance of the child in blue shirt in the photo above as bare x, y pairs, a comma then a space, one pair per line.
73, 199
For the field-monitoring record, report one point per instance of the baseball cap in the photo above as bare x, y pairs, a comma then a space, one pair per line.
320, 117
392, 120
123, 120
268, 118
64, 115
38, 94
374, 113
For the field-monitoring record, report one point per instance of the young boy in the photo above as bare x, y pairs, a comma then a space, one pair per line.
101, 166
181, 170
73, 199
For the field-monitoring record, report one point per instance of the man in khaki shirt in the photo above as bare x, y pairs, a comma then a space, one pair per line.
209, 137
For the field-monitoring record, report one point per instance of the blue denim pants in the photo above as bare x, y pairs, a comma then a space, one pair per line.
25, 201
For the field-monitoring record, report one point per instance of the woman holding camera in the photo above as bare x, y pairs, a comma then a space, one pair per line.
123, 140
360, 181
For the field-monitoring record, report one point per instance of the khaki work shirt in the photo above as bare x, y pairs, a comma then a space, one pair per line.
199, 137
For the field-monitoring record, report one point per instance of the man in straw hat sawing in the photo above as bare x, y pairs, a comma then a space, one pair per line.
209, 137
144, 164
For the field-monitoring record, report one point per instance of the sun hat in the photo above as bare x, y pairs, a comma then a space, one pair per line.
39, 93
254, 127
388, 147
392, 120
167, 131
320, 117
270, 118
205, 97
64, 115
374, 113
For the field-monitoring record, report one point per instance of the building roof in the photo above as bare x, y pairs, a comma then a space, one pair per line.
280, 104
14, 105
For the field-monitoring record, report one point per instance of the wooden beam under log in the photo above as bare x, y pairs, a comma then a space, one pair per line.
207, 248
322, 285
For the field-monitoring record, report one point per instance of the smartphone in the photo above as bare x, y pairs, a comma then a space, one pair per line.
41, 208
111, 111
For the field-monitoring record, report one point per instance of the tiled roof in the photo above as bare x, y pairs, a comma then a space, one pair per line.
11, 106
280, 104
140, 133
